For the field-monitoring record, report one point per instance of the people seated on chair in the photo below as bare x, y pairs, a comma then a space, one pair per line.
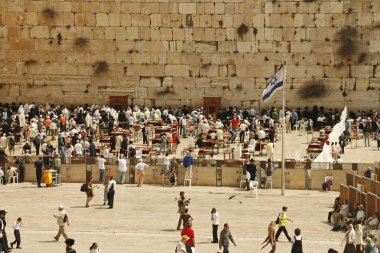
219, 135
371, 223
353, 210
359, 218
336, 209
326, 186
342, 214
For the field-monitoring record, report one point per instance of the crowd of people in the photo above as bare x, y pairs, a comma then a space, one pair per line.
61, 133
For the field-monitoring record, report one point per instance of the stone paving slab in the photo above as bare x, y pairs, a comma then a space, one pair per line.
144, 219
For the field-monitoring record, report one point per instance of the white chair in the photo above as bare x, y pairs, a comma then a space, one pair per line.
187, 179
253, 187
243, 181
268, 180
12, 176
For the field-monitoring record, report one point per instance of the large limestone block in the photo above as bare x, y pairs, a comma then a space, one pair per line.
149, 8
177, 70
244, 47
166, 33
79, 19
145, 70
114, 19
144, 33
128, 7
336, 7
155, 20
140, 20
209, 8
132, 33
227, 46
102, 19
187, 8
31, 18
125, 20
361, 71
205, 21
39, 32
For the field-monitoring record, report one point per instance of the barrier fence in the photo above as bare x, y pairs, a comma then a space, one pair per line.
362, 190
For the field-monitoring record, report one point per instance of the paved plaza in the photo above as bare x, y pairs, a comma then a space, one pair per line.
144, 219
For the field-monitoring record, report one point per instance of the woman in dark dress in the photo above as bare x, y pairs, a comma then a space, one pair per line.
297, 243
90, 191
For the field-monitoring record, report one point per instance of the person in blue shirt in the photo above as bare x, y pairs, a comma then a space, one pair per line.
188, 162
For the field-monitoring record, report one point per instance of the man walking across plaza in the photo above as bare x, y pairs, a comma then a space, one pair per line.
141, 167
215, 224
39, 165
111, 192
62, 220
182, 203
225, 237
282, 218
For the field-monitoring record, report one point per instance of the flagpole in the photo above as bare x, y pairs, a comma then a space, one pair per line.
283, 132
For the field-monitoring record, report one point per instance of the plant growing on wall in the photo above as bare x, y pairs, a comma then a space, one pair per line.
100, 67
313, 89
347, 37
242, 29
362, 57
49, 13
59, 38
167, 91
81, 42
30, 62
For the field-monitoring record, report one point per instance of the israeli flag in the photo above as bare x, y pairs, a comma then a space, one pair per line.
275, 83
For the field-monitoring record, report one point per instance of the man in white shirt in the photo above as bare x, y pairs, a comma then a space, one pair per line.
140, 169
78, 149
360, 216
102, 168
111, 192
261, 135
215, 224
122, 168
62, 220
218, 124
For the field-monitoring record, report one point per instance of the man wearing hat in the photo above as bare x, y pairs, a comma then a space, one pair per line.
181, 244
62, 220
140, 168
69, 245
4, 239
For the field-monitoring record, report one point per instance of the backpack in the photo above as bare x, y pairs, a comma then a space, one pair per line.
65, 218
278, 219
84, 188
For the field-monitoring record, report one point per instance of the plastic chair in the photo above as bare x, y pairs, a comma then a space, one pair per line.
187, 179
268, 180
12, 176
253, 187
242, 181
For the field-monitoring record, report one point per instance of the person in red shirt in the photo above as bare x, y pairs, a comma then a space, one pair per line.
187, 230
62, 121
234, 124
175, 139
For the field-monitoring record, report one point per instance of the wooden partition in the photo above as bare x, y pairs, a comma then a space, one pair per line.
343, 193
350, 179
367, 183
357, 180
371, 204
352, 193
363, 199
376, 188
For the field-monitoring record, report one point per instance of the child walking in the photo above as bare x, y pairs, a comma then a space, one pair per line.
16, 230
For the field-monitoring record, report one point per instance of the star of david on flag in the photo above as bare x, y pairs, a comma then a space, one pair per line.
275, 83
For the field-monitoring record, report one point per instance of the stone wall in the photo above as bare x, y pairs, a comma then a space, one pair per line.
172, 52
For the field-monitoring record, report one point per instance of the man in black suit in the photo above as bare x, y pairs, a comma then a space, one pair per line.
251, 168
39, 165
